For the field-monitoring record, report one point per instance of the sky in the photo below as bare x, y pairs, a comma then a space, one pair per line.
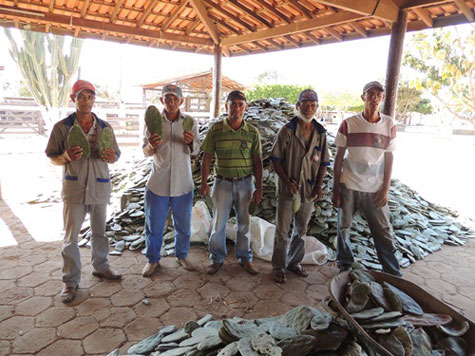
340, 66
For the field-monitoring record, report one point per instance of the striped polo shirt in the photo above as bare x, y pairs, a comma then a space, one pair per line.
233, 148
366, 143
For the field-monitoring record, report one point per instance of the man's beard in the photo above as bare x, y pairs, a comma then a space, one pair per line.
304, 118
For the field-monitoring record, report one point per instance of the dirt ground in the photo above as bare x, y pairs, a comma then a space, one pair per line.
105, 315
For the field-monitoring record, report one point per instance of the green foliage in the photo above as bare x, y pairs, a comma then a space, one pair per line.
288, 91
409, 99
46, 70
342, 100
445, 60
269, 77
24, 91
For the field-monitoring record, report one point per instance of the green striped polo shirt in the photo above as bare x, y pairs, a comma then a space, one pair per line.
234, 149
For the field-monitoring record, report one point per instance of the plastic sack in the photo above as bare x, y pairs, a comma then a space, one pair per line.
262, 242
200, 222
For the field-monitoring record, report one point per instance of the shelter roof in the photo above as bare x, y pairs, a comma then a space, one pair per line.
197, 82
238, 26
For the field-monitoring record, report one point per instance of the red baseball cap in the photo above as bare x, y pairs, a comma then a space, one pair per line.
81, 85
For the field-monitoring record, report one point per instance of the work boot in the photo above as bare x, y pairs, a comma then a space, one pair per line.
108, 274
248, 267
186, 264
150, 268
213, 267
68, 294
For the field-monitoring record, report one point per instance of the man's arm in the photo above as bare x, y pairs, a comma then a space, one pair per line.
340, 153
290, 186
381, 197
205, 167
318, 192
257, 164
150, 146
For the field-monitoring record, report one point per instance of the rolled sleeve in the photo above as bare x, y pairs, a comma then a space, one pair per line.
56, 143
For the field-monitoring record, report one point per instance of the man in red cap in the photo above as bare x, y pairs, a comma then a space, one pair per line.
86, 187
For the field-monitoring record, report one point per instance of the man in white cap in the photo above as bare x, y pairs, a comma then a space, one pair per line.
362, 178
300, 158
86, 188
171, 181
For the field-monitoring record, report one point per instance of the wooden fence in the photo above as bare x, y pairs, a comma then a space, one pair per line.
21, 121
126, 129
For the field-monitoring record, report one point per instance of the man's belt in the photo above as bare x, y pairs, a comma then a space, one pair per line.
237, 179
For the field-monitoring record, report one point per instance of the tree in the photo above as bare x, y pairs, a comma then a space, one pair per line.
445, 60
409, 100
48, 76
287, 91
269, 77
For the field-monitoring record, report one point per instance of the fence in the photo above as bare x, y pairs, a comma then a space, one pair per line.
21, 121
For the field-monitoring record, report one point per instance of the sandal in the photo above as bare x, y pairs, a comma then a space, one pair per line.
279, 276
299, 271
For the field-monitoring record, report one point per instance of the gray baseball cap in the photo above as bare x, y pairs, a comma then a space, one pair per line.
173, 90
373, 84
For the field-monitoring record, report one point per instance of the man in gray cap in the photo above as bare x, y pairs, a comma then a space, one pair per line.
299, 157
362, 177
170, 182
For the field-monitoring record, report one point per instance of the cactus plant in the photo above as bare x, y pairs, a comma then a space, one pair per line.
187, 124
106, 140
48, 76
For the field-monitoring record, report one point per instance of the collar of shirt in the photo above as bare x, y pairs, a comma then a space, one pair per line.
227, 127
180, 116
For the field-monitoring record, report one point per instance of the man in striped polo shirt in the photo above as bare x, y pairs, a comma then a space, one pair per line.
237, 147
362, 177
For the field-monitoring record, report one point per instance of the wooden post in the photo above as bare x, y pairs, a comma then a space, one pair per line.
216, 82
396, 47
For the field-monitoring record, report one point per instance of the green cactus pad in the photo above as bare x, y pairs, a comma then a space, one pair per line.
153, 120
188, 124
77, 137
106, 140
297, 201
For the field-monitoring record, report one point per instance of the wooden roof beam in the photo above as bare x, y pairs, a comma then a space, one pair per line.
147, 12
463, 7
51, 5
320, 22
383, 9
312, 37
274, 10
191, 27
230, 15
111, 28
359, 28
251, 13
334, 33
292, 41
85, 6
424, 15
175, 14
200, 9
224, 24
302, 8
117, 7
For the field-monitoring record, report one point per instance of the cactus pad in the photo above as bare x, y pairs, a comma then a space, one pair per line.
188, 124
297, 201
77, 137
106, 140
153, 120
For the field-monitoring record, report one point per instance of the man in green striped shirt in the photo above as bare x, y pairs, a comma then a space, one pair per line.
237, 147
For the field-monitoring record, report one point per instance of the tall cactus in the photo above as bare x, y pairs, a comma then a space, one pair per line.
48, 76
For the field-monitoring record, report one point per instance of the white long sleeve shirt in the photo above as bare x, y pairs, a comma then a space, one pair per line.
171, 174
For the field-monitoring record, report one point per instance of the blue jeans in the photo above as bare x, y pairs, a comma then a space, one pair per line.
156, 211
226, 194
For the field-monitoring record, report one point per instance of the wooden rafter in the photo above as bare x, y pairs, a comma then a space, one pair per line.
85, 6
465, 9
117, 7
335, 19
274, 10
334, 33
51, 5
359, 28
292, 41
383, 9
147, 12
313, 38
230, 15
251, 13
424, 15
200, 9
302, 8
113, 28
174, 15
